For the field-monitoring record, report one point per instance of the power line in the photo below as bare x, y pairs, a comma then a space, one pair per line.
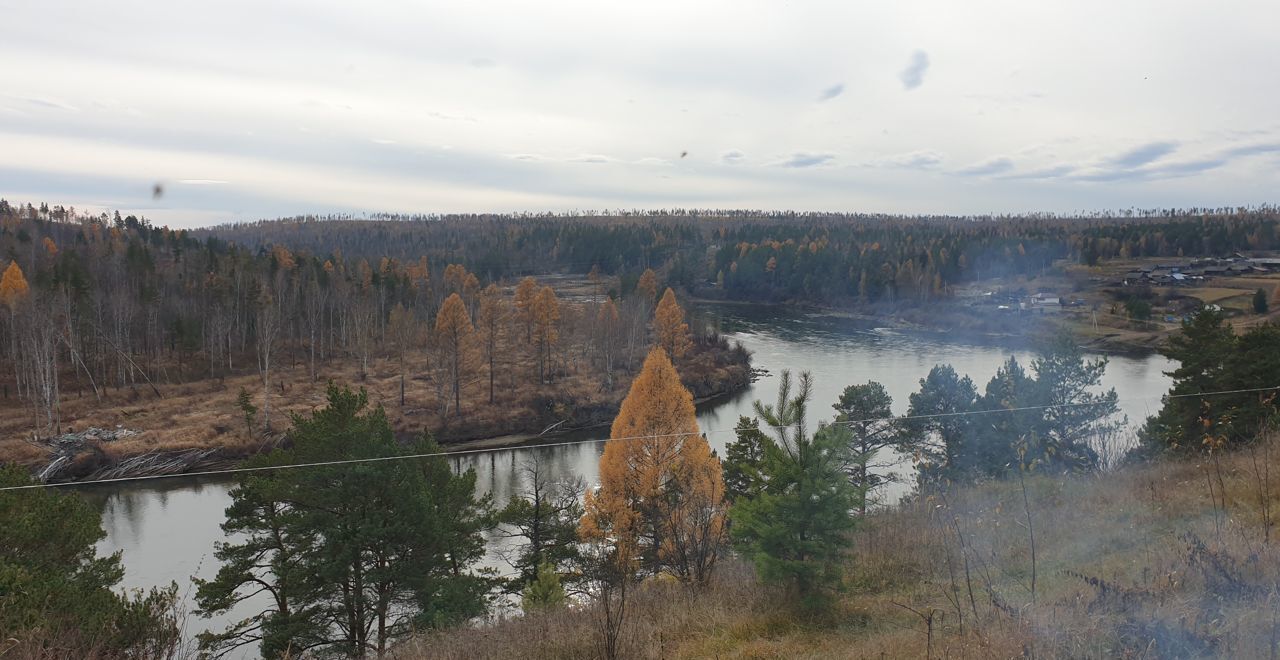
568, 443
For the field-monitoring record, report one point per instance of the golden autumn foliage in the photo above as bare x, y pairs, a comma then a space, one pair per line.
13, 286
661, 493
50, 247
454, 342
669, 328
490, 320
647, 285
545, 315
525, 292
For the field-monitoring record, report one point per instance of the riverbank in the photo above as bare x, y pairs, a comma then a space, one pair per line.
1127, 564
958, 321
199, 425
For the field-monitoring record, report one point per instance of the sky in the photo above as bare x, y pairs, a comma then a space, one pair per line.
247, 110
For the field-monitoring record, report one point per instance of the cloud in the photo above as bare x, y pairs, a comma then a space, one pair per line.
50, 103
1054, 172
998, 165
913, 75
447, 117
482, 63
831, 92
382, 141
732, 157
914, 160
590, 158
1141, 155
654, 161
1253, 150
801, 159
203, 182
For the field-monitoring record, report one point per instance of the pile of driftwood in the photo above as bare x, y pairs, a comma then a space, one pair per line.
78, 455
92, 433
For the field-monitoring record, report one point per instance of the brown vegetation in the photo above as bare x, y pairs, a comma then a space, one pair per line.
1169, 559
203, 414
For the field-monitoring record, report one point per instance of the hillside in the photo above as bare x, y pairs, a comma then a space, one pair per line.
1170, 559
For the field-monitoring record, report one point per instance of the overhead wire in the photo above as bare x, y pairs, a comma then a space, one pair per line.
567, 443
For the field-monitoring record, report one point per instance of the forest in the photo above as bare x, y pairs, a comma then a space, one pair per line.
208, 345
776, 257
783, 546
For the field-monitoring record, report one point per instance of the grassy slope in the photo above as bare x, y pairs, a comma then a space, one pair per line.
1143, 562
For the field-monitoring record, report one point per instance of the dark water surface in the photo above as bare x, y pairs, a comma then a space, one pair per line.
166, 529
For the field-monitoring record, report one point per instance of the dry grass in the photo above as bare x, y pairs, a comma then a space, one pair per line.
203, 414
1139, 563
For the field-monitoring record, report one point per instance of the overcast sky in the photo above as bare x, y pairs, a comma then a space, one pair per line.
245, 110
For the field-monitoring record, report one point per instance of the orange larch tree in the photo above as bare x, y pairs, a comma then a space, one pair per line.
490, 320
647, 286
669, 329
661, 494
609, 327
454, 339
526, 290
546, 328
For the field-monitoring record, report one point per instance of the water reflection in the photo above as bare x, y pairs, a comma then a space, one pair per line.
166, 529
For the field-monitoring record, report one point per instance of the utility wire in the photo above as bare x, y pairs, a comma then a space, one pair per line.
568, 443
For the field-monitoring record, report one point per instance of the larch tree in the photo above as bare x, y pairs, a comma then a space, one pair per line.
669, 328
546, 328
661, 493
269, 320
647, 286
454, 338
526, 291
491, 318
609, 325
13, 292
404, 330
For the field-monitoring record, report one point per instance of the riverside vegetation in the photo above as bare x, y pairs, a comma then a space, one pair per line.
1027, 532
1024, 536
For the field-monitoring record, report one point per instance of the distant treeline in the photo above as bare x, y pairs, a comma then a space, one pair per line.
745, 255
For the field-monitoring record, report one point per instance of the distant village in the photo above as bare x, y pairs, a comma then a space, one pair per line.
1192, 273
1199, 270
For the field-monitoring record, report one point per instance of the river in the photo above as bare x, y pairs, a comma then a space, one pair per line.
166, 529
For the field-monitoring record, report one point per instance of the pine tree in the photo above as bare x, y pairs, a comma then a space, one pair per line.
353, 556
669, 327
544, 592
865, 421
661, 490
52, 579
540, 523
940, 434
1260, 301
795, 528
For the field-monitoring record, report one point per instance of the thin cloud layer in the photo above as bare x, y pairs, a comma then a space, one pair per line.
569, 104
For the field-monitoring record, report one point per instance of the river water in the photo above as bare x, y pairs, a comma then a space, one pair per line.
166, 528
